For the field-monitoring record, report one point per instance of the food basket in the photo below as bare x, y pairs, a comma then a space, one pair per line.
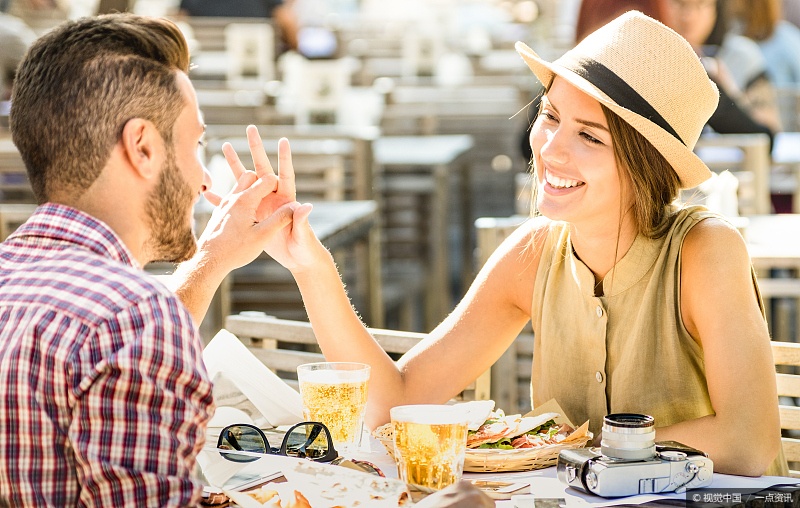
480, 460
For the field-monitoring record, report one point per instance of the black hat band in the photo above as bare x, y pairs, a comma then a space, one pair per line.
616, 88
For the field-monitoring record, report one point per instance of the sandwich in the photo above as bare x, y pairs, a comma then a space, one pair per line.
508, 432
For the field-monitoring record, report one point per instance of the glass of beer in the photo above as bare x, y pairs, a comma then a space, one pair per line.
335, 393
429, 444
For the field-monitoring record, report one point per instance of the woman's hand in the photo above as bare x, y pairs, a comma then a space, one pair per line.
296, 247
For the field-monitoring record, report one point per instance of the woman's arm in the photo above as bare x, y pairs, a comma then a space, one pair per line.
465, 345
720, 310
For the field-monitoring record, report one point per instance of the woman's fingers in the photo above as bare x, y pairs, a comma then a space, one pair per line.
257, 152
213, 198
286, 184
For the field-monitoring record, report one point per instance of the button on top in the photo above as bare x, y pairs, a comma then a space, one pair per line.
599, 311
598, 376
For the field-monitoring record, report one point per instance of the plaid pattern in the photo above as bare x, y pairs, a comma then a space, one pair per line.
104, 397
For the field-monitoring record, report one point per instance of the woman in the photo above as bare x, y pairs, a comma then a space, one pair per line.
636, 305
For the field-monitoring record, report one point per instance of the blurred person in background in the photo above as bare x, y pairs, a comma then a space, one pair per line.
779, 40
15, 38
111, 6
279, 11
791, 11
40, 15
734, 62
595, 13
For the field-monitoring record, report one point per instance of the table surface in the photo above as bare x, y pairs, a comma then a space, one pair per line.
773, 238
329, 146
544, 484
421, 150
331, 219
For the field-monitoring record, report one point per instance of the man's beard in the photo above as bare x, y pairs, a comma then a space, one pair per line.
167, 208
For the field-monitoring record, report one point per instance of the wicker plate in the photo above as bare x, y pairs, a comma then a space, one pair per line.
524, 459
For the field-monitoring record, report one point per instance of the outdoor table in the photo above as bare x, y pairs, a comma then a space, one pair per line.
725, 490
545, 484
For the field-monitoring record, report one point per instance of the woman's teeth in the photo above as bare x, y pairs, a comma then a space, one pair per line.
561, 183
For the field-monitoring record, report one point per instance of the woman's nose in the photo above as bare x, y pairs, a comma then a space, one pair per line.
553, 149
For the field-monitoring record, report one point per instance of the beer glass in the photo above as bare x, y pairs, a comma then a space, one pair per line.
429, 444
335, 393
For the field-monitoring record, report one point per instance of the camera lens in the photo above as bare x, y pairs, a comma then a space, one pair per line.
628, 436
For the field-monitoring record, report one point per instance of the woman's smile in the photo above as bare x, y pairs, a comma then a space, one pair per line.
560, 185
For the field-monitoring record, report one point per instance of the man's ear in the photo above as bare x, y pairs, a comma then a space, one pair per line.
143, 146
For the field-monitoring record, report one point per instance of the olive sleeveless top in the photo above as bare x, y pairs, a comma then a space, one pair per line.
627, 351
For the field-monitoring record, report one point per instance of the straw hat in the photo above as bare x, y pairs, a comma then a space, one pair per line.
648, 75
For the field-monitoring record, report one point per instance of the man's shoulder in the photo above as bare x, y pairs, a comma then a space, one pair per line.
78, 282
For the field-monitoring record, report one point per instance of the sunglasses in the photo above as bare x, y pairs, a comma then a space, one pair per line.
306, 440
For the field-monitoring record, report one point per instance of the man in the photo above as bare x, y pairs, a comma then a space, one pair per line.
105, 398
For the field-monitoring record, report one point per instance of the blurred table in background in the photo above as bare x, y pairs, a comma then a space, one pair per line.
14, 185
349, 229
773, 242
786, 154
415, 193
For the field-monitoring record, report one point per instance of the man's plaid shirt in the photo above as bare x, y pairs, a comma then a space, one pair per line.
104, 398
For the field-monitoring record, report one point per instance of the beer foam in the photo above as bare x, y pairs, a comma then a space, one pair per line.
334, 376
429, 414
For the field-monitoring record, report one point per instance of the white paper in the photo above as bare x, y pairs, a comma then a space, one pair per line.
324, 485
223, 474
243, 382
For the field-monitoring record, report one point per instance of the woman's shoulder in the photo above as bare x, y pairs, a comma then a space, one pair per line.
711, 236
528, 240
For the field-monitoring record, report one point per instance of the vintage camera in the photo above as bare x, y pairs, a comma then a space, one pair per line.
630, 462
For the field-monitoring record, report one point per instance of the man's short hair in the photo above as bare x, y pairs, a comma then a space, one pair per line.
79, 85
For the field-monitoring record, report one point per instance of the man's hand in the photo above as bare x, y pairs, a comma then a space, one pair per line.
462, 493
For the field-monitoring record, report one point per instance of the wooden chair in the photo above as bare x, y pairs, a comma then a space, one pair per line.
786, 356
250, 48
511, 374
748, 157
312, 89
209, 33
789, 106
282, 345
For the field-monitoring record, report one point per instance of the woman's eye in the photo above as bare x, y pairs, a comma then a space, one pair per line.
591, 139
549, 116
